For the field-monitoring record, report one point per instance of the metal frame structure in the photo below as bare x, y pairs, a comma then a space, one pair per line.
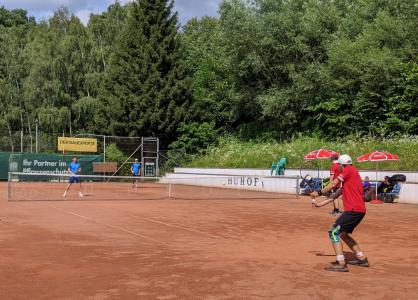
146, 155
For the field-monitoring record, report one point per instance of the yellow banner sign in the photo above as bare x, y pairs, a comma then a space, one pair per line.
77, 144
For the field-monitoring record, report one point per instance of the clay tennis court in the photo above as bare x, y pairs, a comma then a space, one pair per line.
256, 248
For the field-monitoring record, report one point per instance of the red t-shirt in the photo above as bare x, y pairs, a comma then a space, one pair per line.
352, 190
334, 172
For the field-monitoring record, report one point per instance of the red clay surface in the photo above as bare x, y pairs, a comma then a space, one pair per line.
204, 249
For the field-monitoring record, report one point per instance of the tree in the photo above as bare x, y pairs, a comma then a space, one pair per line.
146, 89
59, 60
262, 69
14, 27
366, 72
209, 67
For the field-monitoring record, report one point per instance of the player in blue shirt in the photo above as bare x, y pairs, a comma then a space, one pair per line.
136, 172
74, 170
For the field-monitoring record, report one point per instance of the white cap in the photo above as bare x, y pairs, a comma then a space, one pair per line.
345, 160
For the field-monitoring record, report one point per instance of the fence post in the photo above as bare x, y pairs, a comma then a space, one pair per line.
104, 148
21, 141
36, 135
9, 179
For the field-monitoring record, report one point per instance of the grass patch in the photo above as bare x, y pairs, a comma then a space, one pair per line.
233, 153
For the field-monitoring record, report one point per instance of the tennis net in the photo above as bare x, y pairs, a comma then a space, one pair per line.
53, 187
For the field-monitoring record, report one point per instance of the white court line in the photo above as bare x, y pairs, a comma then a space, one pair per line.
162, 223
105, 224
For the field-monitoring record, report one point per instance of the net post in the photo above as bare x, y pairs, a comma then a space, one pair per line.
297, 187
157, 164
9, 182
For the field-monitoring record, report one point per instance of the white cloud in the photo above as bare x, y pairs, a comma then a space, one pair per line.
84, 15
35, 6
82, 8
191, 8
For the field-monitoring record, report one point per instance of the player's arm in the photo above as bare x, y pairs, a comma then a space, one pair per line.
70, 171
327, 189
322, 203
329, 200
336, 194
79, 170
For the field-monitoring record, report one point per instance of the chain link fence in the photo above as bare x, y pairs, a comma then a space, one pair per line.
17, 142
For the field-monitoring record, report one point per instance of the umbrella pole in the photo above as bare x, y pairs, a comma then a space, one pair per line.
377, 166
319, 167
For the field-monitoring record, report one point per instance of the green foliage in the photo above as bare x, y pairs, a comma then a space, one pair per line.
54, 119
233, 153
195, 137
16, 17
327, 67
146, 90
263, 69
208, 65
114, 154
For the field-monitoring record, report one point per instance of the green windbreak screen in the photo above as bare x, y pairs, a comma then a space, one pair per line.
43, 163
4, 164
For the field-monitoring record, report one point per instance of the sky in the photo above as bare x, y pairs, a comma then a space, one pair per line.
42, 9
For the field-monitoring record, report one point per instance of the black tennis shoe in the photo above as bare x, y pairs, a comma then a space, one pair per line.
359, 262
336, 267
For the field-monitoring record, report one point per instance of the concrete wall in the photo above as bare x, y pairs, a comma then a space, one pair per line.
282, 184
409, 193
287, 185
411, 176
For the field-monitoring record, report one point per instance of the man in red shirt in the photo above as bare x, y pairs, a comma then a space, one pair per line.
334, 172
354, 212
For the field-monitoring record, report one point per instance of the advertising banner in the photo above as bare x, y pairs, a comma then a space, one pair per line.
77, 144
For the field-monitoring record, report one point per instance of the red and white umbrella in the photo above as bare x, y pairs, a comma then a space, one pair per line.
321, 154
377, 156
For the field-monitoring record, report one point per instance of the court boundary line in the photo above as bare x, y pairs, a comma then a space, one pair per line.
106, 224
162, 223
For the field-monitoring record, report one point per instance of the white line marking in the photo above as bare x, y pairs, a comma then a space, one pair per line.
164, 223
105, 224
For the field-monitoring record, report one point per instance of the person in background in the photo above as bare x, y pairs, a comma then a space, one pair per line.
366, 184
136, 172
385, 186
74, 170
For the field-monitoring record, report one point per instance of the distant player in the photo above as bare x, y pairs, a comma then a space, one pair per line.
136, 172
334, 172
74, 170
354, 212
